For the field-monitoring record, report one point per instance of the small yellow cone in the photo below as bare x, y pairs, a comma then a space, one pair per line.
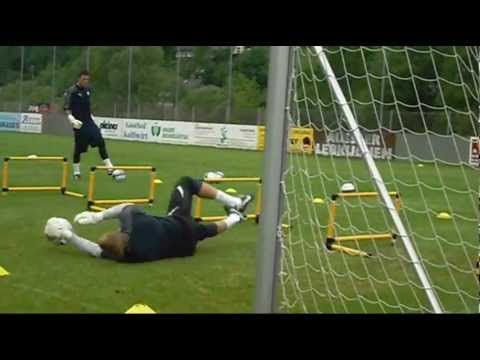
157, 181
140, 309
3, 272
318, 201
231, 191
444, 216
420, 165
285, 226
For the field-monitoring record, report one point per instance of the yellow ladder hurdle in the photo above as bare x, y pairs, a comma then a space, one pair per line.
96, 204
333, 240
63, 184
258, 200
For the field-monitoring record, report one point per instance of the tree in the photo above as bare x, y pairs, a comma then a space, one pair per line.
207, 96
254, 65
247, 93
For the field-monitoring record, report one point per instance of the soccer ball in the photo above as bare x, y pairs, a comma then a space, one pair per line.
347, 188
213, 175
55, 228
119, 175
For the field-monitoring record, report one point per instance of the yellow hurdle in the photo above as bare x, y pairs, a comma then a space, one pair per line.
34, 188
233, 179
258, 198
121, 201
74, 194
33, 157
349, 251
97, 208
386, 236
127, 167
220, 218
332, 238
63, 182
92, 202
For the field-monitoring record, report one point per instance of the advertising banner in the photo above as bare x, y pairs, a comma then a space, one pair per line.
9, 121
341, 143
111, 128
226, 136
170, 132
31, 123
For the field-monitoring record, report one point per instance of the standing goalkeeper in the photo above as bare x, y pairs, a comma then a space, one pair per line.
86, 132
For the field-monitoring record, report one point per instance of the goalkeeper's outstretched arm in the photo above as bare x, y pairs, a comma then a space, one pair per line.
89, 217
85, 245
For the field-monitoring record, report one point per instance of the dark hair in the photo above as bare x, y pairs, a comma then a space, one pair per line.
83, 73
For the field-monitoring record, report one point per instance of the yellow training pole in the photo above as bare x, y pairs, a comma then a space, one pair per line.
152, 185
349, 251
96, 208
36, 158
331, 221
5, 176
120, 201
198, 207
387, 236
91, 185
219, 218
363, 194
398, 204
258, 206
233, 179
34, 188
64, 174
71, 193
129, 167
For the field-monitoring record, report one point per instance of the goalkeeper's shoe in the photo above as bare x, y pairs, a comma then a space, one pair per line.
242, 207
110, 172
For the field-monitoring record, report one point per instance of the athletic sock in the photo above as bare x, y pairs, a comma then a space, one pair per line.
228, 200
232, 219
76, 168
108, 163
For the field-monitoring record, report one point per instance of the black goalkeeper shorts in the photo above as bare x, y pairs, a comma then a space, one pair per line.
87, 135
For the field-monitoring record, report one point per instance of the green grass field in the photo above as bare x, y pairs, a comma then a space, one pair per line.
221, 276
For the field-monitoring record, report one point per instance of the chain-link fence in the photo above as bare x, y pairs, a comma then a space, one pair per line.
146, 82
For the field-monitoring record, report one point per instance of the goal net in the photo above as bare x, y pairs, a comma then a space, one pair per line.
383, 217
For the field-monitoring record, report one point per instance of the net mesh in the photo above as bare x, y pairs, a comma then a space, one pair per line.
418, 111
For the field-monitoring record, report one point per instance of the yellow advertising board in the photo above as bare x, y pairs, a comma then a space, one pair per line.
300, 140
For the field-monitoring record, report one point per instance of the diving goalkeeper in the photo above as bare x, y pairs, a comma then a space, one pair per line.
144, 237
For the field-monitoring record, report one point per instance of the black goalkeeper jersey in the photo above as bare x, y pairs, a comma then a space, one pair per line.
154, 238
77, 100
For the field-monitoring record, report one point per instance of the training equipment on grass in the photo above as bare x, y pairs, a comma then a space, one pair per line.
56, 229
119, 175
3, 272
258, 194
347, 188
140, 309
63, 182
377, 112
333, 239
444, 216
214, 175
102, 204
